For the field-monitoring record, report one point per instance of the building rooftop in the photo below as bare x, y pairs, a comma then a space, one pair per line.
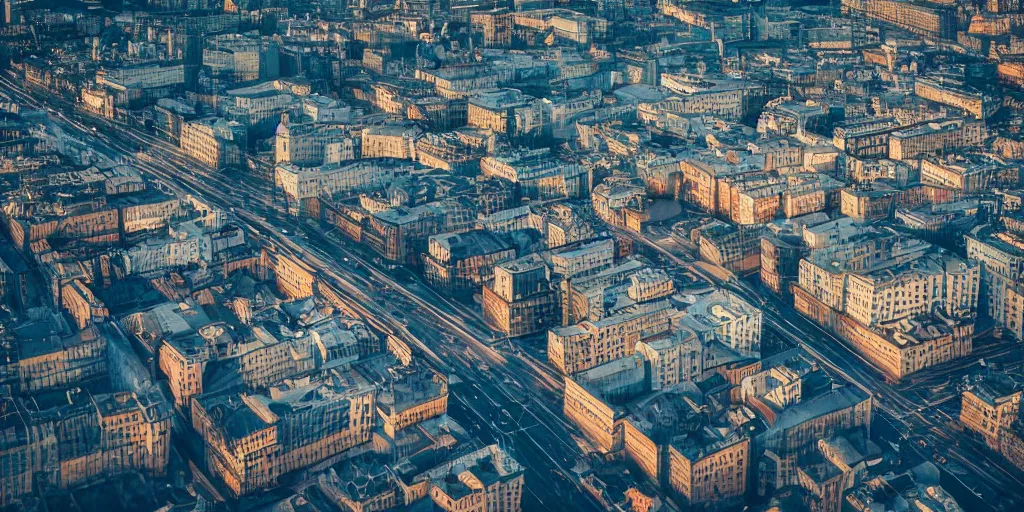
824, 404
706, 442
995, 388
711, 310
927, 128
469, 244
495, 99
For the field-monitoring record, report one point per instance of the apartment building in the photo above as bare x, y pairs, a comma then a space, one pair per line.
133, 86
398, 142
957, 94
101, 101
269, 357
990, 407
343, 178
293, 278
1001, 256
251, 440
667, 436
259, 107
583, 259
735, 248
307, 143
82, 304
565, 25
402, 234
414, 396
723, 317
145, 76
595, 399
460, 263
241, 58
777, 384
728, 98
621, 204
781, 154
758, 201
904, 307
520, 301
780, 261
872, 204
710, 468
214, 141
488, 479
141, 211
584, 298
81, 438
865, 170
540, 175
507, 111
932, 20
466, 81
183, 361
865, 139
785, 118
162, 253
591, 343
911, 290
451, 151
970, 175
797, 428
55, 361
495, 25
700, 183
935, 137
673, 358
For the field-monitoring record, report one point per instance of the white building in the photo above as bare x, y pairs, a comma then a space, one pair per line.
723, 317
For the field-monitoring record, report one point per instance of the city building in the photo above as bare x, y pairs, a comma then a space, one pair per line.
725, 318
520, 301
990, 407
80, 438
901, 303
251, 440
955, 93
462, 262
309, 143
667, 436
643, 312
931, 138
506, 111
213, 141
935, 20
1001, 257
539, 174
486, 479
